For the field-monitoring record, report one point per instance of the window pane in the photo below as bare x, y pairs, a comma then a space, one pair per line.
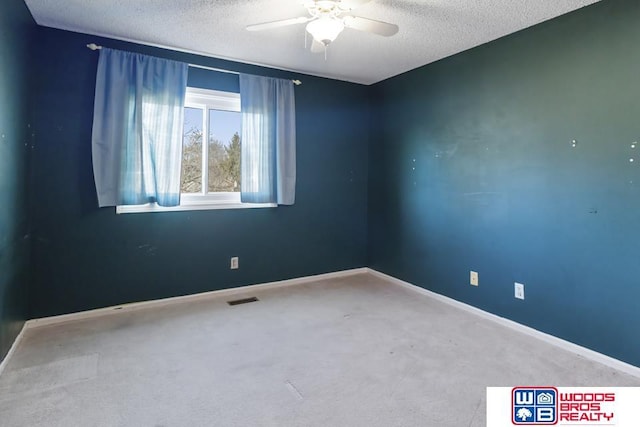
224, 151
192, 151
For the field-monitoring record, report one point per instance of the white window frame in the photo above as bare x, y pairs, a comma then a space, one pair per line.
206, 100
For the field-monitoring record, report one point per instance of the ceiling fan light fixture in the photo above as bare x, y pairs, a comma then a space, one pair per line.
325, 29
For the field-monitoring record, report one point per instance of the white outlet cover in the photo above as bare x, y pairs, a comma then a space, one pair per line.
473, 278
519, 290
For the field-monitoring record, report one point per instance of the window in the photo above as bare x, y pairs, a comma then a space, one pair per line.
212, 170
210, 177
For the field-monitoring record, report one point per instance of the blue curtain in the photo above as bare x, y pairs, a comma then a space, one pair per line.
137, 129
268, 160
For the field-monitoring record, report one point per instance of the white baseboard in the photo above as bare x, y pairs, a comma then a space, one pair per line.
53, 320
15, 344
558, 342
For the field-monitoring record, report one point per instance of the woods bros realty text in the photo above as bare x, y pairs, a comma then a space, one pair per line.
585, 406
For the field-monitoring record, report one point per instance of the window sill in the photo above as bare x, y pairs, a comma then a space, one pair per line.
152, 207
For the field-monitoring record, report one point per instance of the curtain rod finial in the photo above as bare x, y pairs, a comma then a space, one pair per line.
94, 46
296, 82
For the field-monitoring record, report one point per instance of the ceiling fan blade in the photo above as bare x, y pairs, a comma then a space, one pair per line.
370, 26
317, 47
278, 24
351, 4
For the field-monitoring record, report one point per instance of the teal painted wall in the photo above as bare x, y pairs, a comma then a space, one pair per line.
472, 168
86, 257
16, 27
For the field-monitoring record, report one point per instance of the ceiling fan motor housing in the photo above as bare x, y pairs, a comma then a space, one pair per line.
327, 19
324, 8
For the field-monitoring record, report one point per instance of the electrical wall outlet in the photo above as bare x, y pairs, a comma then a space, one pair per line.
519, 290
473, 278
234, 263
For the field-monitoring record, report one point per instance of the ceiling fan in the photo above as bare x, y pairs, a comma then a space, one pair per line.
328, 19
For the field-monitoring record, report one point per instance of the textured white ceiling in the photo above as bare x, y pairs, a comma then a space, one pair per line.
429, 30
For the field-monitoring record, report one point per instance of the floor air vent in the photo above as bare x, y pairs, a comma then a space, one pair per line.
243, 301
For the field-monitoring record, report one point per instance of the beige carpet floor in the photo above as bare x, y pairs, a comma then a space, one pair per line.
355, 351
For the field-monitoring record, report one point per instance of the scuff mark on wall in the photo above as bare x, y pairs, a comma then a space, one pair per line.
148, 248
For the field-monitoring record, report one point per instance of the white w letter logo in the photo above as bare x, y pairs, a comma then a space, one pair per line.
524, 398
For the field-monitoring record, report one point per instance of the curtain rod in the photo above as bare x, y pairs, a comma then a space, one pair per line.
94, 46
